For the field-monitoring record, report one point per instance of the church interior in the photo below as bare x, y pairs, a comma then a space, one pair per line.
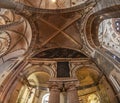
59, 51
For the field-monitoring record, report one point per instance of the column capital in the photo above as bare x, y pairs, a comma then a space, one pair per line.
55, 92
70, 86
55, 85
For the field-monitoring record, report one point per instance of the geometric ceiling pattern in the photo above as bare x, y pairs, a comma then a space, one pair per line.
14, 36
57, 32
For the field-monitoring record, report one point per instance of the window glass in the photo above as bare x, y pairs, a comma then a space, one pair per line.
45, 98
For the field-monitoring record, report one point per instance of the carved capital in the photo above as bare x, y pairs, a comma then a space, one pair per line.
55, 85
70, 86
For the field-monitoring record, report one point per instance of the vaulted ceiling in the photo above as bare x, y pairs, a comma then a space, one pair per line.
52, 4
54, 32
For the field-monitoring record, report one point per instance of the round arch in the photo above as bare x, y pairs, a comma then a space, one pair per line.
93, 21
88, 67
37, 68
60, 53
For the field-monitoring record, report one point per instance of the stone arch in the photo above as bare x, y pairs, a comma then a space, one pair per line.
37, 68
95, 18
60, 50
88, 67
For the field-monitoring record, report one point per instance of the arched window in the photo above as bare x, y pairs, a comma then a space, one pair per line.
45, 98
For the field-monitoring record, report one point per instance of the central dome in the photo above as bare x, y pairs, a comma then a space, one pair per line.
53, 4
60, 4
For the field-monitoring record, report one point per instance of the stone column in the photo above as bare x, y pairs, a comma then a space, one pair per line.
72, 95
65, 97
54, 92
